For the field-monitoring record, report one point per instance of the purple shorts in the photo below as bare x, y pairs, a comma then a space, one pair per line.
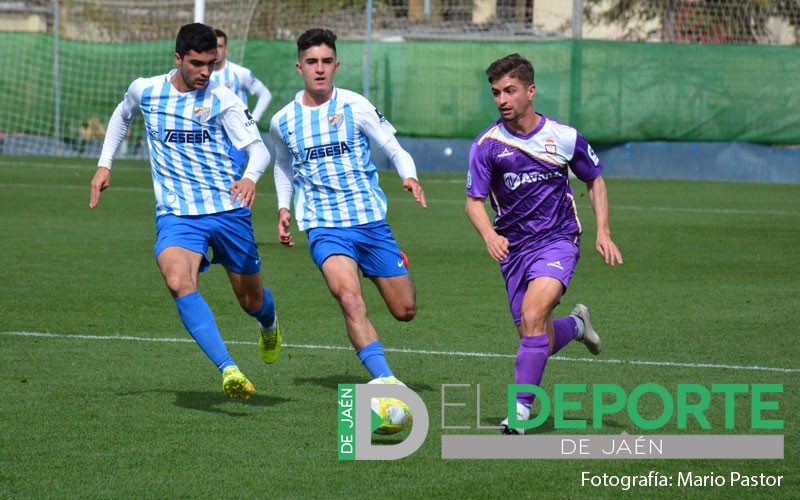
556, 259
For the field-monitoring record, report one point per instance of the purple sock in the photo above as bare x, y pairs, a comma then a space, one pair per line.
566, 330
531, 360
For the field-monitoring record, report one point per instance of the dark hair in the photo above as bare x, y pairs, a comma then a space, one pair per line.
513, 65
221, 34
315, 37
197, 37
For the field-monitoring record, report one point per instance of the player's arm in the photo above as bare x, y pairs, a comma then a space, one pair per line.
379, 131
587, 167
244, 190
244, 135
283, 185
117, 129
598, 197
476, 212
404, 164
263, 94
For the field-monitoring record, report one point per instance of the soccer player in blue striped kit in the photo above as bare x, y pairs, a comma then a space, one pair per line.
242, 82
322, 153
202, 198
522, 162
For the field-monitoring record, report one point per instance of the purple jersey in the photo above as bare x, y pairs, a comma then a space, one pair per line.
527, 180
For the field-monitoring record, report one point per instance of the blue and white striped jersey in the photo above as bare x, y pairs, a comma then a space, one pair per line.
237, 78
242, 81
190, 136
335, 182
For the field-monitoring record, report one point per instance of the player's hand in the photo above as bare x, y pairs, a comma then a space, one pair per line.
101, 180
244, 191
608, 250
497, 246
415, 188
284, 221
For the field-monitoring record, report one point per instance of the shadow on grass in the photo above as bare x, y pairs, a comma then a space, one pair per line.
215, 402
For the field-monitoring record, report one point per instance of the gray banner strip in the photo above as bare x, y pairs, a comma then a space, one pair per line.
612, 447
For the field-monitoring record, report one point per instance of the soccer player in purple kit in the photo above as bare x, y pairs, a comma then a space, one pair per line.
521, 162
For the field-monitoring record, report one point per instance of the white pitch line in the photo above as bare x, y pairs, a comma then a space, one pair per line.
422, 351
406, 198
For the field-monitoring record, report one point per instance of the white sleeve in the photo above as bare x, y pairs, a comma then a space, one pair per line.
241, 128
260, 90
381, 133
118, 126
258, 160
283, 169
402, 161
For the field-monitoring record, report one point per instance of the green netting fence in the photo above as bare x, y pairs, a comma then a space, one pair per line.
612, 91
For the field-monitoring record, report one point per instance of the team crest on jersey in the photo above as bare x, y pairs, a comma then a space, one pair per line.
336, 120
550, 146
201, 113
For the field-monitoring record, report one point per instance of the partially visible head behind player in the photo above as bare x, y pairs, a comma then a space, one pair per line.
513, 90
222, 47
317, 63
513, 65
195, 56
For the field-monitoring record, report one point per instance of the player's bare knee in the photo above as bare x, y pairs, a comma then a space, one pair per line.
406, 313
250, 303
178, 286
352, 304
533, 320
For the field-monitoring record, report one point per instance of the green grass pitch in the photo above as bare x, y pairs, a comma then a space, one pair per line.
104, 395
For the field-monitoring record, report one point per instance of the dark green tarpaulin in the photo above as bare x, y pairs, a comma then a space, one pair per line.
612, 91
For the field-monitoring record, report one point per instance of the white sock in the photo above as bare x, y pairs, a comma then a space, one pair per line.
580, 326
274, 322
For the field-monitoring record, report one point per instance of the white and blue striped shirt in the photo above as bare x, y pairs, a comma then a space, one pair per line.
328, 147
242, 81
190, 136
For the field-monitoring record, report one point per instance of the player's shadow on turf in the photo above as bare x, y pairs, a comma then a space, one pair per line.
213, 402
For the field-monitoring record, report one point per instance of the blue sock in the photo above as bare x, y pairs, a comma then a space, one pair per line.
199, 321
265, 315
375, 360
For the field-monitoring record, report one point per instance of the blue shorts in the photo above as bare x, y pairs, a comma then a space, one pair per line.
556, 259
229, 234
371, 245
